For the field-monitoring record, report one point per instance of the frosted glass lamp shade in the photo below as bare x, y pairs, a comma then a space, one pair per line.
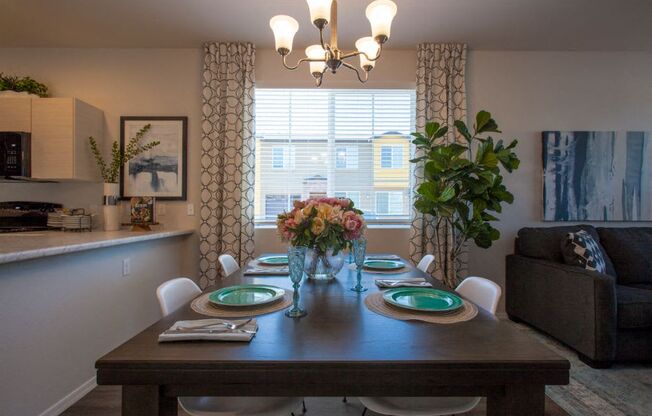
284, 28
380, 14
370, 47
316, 52
320, 12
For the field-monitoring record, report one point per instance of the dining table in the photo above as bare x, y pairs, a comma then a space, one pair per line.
340, 348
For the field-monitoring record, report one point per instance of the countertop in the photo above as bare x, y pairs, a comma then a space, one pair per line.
32, 245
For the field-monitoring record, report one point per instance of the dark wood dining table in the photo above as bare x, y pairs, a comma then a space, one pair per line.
340, 348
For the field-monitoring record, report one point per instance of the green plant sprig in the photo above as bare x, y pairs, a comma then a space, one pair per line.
22, 84
459, 188
111, 172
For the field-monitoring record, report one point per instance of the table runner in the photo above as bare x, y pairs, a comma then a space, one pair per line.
377, 304
203, 306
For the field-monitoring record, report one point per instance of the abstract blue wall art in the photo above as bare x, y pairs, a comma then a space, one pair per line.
597, 176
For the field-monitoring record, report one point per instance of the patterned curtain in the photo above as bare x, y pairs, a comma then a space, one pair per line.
441, 97
227, 158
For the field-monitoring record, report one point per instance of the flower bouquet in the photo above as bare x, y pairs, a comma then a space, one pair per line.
326, 226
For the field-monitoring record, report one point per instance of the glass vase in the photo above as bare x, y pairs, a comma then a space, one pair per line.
323, 265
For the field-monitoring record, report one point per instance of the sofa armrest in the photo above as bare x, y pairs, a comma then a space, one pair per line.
576, 306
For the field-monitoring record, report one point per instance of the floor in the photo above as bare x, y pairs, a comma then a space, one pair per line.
105, 401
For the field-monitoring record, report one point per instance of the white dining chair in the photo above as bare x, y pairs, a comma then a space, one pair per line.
228, 263
171, 296
425, 263
485, 294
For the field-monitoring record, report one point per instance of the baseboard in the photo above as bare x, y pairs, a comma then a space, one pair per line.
71, 398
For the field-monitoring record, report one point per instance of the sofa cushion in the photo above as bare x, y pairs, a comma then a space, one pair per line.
630, 249
580, 249
545, 243
634, 307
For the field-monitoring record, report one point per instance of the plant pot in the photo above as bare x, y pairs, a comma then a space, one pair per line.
323, 266
16, 94
111, 207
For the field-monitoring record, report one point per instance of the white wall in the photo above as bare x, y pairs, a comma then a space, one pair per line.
59, 314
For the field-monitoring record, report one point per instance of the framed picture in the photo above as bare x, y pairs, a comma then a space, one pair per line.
597, 175
160, 172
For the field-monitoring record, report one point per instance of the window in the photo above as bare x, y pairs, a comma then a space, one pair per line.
346, 157
343, 143
276, 204
391, 157
389, 203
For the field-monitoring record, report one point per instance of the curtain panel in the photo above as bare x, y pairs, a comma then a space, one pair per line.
227, 156
440, 97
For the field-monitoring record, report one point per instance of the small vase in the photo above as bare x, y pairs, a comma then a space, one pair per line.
322, 265
111, 207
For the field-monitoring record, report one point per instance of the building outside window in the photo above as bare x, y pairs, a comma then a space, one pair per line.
321, 142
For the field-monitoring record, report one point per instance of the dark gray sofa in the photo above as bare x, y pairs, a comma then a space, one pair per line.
604, 317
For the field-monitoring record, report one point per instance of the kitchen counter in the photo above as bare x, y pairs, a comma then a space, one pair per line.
16, 247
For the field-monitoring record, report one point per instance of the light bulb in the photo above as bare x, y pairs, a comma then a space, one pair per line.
380, 14
284, 28
370, 47
316, 52
320, 12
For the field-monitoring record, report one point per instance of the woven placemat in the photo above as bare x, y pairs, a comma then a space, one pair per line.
203, 306
377, 304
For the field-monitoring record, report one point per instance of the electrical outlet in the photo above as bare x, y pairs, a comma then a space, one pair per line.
191, 209
126, 267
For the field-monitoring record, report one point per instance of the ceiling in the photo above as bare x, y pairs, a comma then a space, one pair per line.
595, 25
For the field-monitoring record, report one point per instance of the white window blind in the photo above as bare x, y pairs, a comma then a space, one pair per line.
319, 142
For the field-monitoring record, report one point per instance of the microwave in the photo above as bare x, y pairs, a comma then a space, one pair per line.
15, 154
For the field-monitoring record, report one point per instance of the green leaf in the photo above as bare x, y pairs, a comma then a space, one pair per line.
463, 130
489, 159
441, 132
418, 159
481, 119
431, 129
447, 194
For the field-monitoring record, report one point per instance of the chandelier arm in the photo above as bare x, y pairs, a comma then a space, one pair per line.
325, 46
366, 74
302, 60
357, 53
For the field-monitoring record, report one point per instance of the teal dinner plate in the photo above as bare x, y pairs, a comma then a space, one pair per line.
423, 299
246, 295
383, 264
274, 260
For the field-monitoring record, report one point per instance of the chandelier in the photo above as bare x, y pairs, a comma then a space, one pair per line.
328, 56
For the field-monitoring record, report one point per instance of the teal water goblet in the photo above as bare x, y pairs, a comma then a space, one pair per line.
296, 262
359, 255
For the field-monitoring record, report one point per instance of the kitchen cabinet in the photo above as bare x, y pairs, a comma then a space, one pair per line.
16, 114
60, 129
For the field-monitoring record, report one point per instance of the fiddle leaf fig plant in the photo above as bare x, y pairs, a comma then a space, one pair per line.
463, 183
111, 171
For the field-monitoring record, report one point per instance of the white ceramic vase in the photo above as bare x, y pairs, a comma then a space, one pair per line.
111, 207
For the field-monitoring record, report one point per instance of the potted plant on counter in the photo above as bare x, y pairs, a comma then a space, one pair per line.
463, 187
11, 85
111, 173
326, 227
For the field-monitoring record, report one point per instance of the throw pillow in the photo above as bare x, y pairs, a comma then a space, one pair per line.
581, 249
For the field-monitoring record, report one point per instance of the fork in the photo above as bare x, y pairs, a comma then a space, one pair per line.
229, 325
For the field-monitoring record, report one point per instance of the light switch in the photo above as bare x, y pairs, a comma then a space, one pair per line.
126, 267
191, 209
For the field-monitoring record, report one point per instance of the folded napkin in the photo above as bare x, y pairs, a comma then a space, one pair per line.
391, 283
383, 257
215, 332
256, 269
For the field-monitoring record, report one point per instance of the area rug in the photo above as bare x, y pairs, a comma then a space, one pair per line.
623, 390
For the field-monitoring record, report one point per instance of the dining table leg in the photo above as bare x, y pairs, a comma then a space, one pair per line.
147, 401
518, 399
